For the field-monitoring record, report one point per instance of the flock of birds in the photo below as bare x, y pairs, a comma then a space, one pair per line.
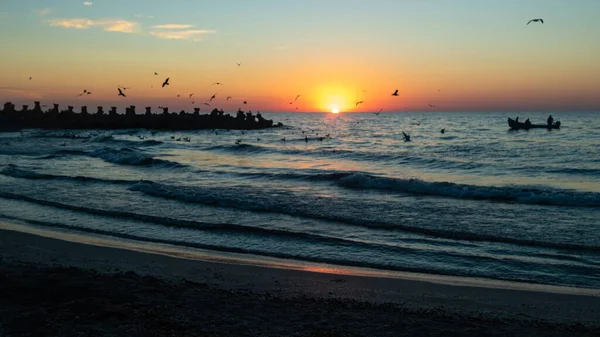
121, 93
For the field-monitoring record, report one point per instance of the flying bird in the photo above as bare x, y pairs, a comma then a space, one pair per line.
155, 73
245, 102
431, 105
212, 97
378, 112
206, 104
536, 20
295, 99
29, 78
191, 95
166, 82
218, 83
359, 102
228, 97
395, 93
121, 92
239, 64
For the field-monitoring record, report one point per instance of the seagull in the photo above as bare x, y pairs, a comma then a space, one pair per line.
217, 83
431, 105
239, 64
30, 78
378, 112
155, 73
121, 92
207, 104
245, 102
178, 95
228, 97
212, 97
359, 102
166, 82
395, 93
536, 20
295, 99
191, 95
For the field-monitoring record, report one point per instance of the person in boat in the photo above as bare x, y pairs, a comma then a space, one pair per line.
550, 120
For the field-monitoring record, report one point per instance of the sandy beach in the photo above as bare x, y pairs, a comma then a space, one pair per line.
52, 287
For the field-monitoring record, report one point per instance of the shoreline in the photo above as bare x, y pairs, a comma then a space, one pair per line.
258, 261
29, 258
231, 258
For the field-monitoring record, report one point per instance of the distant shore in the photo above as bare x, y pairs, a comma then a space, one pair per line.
50, 286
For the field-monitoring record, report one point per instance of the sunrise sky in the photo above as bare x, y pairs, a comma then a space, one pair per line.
458, 55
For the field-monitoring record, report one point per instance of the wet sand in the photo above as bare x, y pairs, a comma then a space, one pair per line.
51, 287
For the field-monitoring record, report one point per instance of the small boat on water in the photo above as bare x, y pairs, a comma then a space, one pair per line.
514, 125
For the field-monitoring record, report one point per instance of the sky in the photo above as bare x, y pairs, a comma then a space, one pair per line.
462, 55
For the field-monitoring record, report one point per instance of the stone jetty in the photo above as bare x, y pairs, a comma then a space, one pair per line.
14, 119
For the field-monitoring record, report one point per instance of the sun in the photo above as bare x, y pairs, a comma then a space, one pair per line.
335, 109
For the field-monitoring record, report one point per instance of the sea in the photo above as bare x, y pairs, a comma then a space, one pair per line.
477, 201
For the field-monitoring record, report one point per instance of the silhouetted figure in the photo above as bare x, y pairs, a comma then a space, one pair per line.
535, 20
306, 139
406, 137
550, 120
395, 93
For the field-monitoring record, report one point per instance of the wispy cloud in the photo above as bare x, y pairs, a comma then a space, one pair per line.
192, 34
43, 11
87, 3
109, 25
176, 31
173, 26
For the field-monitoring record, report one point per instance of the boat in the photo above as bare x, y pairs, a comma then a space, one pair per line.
514, 125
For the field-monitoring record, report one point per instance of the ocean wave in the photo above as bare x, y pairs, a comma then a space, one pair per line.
211, 197
15, 172
402, 157
518, 194
129, 156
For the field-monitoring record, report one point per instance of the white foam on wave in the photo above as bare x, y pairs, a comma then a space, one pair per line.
527, 195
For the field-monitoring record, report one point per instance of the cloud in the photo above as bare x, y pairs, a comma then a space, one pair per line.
87, 3
109, 25
192, 35
173, 26
44, 11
